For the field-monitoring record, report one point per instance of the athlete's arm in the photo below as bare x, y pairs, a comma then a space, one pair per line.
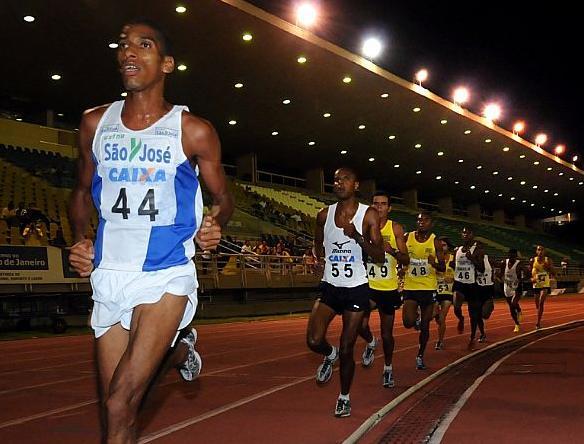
478, 258
439, 265
200, 142
453, 261
549, 266
401, 254
81, 205
318, 248
371, 240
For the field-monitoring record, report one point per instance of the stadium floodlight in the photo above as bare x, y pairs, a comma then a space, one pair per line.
559, 149
422, 76
461, 95
540, 139
519, 127
492, 112
371, 48
575, 159
306, 15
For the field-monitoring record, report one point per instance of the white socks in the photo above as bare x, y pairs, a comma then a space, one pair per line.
344, 397
388, 367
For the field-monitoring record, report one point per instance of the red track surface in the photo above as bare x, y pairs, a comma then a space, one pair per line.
535, 396
257, 383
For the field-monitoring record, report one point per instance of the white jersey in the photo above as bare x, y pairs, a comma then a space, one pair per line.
464, 269
485, 278
511, 279
344, 261
146, 192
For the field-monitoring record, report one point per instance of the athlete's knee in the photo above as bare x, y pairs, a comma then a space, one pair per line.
409, 323
387, 337
314, 343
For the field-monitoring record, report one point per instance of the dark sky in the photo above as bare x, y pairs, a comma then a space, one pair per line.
522, 55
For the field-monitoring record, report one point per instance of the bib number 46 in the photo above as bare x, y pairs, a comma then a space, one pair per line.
121, 205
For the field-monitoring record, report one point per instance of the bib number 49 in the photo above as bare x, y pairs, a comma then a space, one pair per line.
121, 205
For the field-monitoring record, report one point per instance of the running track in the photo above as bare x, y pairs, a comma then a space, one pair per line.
257, 383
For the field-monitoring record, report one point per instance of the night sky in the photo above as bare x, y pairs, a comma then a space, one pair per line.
520, 55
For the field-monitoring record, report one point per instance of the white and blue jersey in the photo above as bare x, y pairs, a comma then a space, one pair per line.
146, 192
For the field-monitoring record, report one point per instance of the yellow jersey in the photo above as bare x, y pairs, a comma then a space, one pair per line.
541, 275
420, 275
446, 278
383, 277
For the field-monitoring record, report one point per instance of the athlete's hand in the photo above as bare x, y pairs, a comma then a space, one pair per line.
389, 249
81, 257
209, 235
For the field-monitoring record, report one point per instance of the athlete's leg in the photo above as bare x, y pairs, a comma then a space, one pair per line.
351, 322
152, 330
444, 308
425, 318
318, 323
458, 301
386, 321
109, 349
474, 313
542, 297
364, 329
512, 310
409, 313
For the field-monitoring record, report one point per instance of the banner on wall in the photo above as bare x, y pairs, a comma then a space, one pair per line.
35, 265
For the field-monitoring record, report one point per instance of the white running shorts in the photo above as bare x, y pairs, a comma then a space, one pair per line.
116, 293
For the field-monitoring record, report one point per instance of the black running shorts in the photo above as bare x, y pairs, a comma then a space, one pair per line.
387, 301
444, 297
422, 297
342, 299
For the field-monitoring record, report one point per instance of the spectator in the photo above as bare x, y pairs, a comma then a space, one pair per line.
9, 214
246, 248
564, 265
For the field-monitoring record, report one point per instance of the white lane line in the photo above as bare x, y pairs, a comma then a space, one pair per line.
24, 419
444, 423
45, 384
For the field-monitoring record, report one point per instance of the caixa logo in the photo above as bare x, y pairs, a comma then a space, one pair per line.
113, 151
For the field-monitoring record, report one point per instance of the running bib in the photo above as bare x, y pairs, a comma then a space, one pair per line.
444, 288
376, 272
464, 275
419, 267
541, 277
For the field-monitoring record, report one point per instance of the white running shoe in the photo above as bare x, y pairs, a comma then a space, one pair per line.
388, 381
343, 408
369, 354
325, 370
191, 368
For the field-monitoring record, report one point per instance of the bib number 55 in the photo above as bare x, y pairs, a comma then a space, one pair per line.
348, 271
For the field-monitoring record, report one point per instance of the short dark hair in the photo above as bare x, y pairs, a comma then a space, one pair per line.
166, 48
467, 228
384, 194
447, 240
426, 213
351, 170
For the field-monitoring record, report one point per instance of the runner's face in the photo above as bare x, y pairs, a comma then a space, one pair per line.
381, 204
467, 235
424, 223
140, 60
539, 251
345, 184
444, 246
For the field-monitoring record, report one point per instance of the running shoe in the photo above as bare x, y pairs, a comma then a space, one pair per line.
483, 338
418, 324
388, 381
460, 326
439, 345
325, 370
343, 408
192, 366
420, 363
369, 354
516, 329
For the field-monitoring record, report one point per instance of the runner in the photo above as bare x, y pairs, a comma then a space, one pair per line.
345, 232
383, 284
511, 276
483, 305
445, 297
139, 160
541, 271
465, 261
421, 285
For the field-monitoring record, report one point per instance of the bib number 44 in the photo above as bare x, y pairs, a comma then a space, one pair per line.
121, 205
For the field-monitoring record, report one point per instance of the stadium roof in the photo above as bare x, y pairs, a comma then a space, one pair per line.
372, 116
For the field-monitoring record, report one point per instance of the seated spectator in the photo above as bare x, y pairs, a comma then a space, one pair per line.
246, 248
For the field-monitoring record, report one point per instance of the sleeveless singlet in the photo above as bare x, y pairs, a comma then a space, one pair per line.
541, 275
146, 193
344, 261
420, 275
464, 269
485, 278
445, 279
383, 277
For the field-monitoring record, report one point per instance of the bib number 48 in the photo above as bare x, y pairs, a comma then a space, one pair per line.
121, 205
